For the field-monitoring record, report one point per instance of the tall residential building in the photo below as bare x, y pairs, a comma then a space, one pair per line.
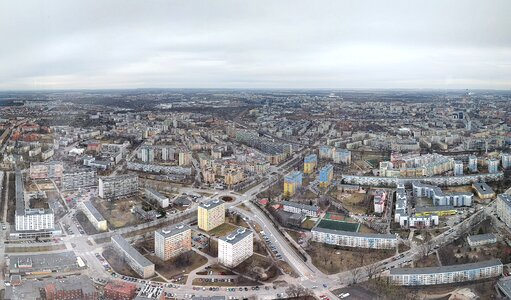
493, 165
325, 152
236, 247
342, 156
506, 160
172, 241
326, 174
472, 163
458, 168
146, 154
309, 163
292, 182
185, 158
380, 198
30, 219
117, 186
211, 214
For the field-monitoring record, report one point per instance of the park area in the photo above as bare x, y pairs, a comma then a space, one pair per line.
331, 259
357, 203
118, 212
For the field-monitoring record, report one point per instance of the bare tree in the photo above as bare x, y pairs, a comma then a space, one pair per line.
356, 275
297, 291
371, 270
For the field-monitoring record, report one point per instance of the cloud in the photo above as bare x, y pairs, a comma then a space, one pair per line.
243, 44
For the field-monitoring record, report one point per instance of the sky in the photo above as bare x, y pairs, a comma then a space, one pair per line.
438, 44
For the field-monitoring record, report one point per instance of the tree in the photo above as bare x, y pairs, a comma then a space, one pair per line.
356, 275
371, 270
297, 291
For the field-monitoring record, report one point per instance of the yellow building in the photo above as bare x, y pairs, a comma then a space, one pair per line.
309, 163
292, 182
211, 214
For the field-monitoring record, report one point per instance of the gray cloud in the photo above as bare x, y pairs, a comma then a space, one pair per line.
300, 44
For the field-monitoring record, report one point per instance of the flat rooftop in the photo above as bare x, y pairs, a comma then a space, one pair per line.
211, 204
236, 235
92, 209
132, 252
446, 269
173, 230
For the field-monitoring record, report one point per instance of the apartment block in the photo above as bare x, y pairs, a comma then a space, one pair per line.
141, 265
117, 186
292, 182
446, 274
481, 239
236, 247
93, 215
439, 197
504, 208
172, 241
45, 170
309, 163
72, 180
298, 208
326, 175
353, 239
156, 197
211, 214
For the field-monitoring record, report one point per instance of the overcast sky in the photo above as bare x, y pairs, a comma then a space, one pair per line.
255, 44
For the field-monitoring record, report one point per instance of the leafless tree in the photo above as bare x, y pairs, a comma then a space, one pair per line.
297, 291
356, 275
371, 270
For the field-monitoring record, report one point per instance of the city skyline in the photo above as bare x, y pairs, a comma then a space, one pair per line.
255, 45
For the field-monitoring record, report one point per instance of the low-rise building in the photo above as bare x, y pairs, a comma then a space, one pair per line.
446, 274
504, 208
483, 190
298, 208
94, 216
155, 196
353, 239
236, 247
481, 239
120, 290
141, 265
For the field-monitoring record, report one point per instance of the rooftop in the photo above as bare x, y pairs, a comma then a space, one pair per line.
92, 209
132, 252
173, 230
236, 235
211, 204
446, 269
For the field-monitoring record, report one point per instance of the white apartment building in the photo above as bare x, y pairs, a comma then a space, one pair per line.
172, 241
504, 208
141, 265
439, 197
236, 247
446, 274
76, 179
28, 219
94, 216
117, 186
354, 239
458, 168
156, 197
298, 208
481, 239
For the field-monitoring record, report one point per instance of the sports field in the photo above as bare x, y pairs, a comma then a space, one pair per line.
339, 225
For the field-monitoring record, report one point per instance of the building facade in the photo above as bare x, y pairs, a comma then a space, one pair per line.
504, 208
298, 208
354, 239
211, 214
309, 163
172, 241
326, 175
446, 274
141, 265
155, 196
117, 186
94, 216
236, 247
79, 179
292, 182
